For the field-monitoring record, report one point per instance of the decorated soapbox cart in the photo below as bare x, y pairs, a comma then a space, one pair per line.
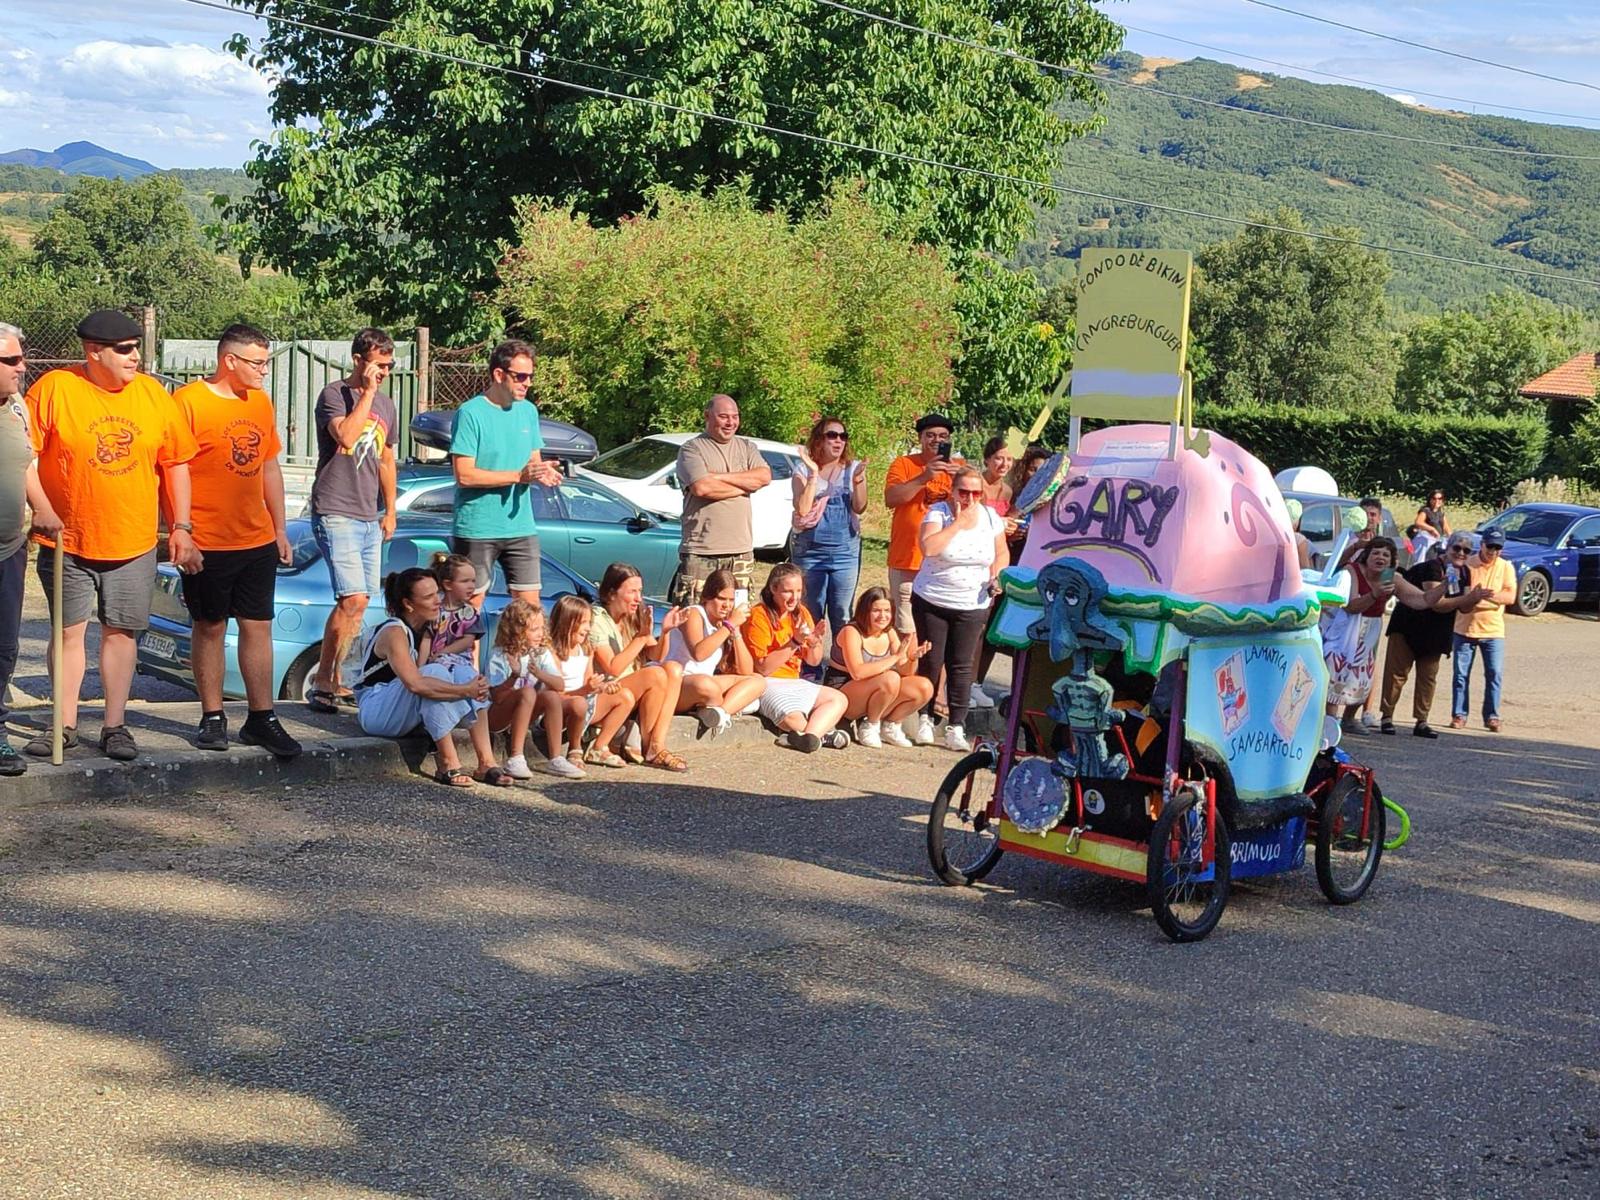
1166, 725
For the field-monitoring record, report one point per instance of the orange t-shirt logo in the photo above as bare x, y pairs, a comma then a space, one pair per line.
114, 437
245, 440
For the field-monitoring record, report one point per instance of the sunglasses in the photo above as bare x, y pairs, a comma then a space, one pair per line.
519, 376
837, 435
123, 348
12, 360
969, 492
1458, 550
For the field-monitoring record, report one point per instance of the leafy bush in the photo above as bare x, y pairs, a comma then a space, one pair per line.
1476, 458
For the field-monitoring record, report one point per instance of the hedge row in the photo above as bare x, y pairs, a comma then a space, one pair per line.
1474, 458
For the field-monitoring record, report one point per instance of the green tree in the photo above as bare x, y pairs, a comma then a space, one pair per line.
136, 243
1011, 353
1473, 360
639, 322
394, 176
1289, 319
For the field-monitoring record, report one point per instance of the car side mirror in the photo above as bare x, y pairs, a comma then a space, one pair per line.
639, 522
672, 481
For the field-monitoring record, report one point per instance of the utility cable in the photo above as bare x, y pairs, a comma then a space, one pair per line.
897, 155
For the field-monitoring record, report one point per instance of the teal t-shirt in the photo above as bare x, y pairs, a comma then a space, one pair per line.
496, 439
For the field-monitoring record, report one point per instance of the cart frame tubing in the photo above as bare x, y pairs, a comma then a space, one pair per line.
1036, 845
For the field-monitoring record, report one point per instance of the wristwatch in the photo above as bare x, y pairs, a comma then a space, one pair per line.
185, 526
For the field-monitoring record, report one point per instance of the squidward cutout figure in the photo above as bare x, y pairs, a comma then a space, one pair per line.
1075, 629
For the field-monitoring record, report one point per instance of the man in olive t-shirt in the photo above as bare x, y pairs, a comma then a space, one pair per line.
718, 471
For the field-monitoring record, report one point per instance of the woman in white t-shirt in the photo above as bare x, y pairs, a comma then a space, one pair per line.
963, 552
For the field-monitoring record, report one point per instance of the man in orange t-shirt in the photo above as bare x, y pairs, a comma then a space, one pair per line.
102, 432
914, 482
239, 525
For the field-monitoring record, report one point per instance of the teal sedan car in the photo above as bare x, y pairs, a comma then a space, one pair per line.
583, 525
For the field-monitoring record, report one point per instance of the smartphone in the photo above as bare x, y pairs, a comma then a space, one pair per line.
741, 596
942, 452
1386, 576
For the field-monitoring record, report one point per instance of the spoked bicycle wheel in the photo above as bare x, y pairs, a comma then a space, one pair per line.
1186, 896
963, 840
1349, 840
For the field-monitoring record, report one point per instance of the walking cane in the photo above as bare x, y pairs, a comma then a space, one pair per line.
55, 652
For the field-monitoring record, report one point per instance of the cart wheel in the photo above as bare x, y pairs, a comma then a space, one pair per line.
963, 842
1347, 857
1185, 906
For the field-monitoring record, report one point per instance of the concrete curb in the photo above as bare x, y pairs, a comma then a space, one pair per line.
325, 761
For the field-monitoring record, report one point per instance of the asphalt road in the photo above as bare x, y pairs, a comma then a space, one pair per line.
744, 983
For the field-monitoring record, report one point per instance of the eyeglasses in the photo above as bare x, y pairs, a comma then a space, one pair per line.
12, 360
259, 364
837, 435
519, 376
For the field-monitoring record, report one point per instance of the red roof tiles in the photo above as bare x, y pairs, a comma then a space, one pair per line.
1575, 379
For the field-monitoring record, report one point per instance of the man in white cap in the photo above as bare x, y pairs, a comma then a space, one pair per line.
107, 438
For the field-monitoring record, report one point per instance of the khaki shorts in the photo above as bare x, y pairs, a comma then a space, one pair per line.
900, 595
117, 593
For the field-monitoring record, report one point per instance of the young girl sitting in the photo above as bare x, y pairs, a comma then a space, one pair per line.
719, 676
571, 695
781, 634
876, 669
513, 684
460, 626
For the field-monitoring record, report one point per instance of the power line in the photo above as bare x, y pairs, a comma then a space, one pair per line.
1388, 37
1226, 107
1386, 87
897, 155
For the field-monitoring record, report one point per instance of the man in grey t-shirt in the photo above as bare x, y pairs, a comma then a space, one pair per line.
16, 459
718, 471
355, 467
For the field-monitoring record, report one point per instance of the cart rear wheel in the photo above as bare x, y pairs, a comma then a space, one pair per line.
1348, 850
1185, 905
963, 840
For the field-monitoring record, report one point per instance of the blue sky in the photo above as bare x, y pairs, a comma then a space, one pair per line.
150, 78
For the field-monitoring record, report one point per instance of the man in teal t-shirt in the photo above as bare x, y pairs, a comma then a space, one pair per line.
494, 448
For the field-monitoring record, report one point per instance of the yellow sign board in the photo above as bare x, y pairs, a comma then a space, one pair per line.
1133, 335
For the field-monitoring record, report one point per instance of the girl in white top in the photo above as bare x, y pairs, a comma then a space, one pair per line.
719, 675
963, 553
570, 693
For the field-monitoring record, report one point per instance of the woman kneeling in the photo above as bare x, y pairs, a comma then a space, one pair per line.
876, 669
781, 634
394, 695
719, 676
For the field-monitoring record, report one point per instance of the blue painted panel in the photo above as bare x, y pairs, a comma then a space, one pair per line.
1270, 851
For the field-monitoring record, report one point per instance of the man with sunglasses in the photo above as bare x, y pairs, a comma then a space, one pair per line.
238, 509
18, 488
915, 481
1481, 628
110, 443
496, 452
355, 421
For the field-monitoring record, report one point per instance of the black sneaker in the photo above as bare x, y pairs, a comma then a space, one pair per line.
836, 739
806, 743
1423, 729
116, 742
11, 763
213, 732
39, 747
266, 732
1386, 727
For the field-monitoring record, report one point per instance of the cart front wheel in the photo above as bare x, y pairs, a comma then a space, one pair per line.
1349, 840
963, 840
1187, 896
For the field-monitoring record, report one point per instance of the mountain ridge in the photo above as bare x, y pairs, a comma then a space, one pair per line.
81, 158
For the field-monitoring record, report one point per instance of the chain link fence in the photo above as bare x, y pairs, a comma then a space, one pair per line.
456, 375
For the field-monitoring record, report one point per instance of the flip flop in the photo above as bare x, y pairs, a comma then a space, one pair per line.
496, 777
318, 700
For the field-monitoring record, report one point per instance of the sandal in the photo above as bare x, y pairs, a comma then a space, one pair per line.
599, 756
453, 777
630, 756
495, 777
666, 760
319, 700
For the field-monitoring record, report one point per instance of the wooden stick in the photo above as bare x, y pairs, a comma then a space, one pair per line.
55, 652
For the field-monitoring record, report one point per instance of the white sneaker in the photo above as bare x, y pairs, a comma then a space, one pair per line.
563, 766
1370, 720
924, 734
517, 767
867, 734
955, 738
980, 698
715, 721
894, 734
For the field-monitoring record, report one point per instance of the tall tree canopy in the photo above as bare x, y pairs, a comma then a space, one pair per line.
394, 176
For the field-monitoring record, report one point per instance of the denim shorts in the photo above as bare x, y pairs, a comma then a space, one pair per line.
353, 551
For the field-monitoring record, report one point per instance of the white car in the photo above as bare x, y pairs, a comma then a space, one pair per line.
645, 472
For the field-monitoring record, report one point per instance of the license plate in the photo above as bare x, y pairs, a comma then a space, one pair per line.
159, 644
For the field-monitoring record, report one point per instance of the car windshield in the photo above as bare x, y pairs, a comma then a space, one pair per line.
1541, 527
636, 460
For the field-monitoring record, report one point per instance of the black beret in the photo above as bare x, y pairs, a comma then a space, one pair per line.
108, 327
934, 421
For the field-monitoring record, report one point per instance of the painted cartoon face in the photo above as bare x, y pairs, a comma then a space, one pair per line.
1072, 592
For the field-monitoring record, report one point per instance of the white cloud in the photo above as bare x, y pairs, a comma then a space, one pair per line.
107, 70
1405, 99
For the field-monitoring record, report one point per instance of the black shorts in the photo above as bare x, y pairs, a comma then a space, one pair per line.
234, 583
518, 558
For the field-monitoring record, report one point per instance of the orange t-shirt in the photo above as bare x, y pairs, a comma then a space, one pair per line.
237, 438
905, 551
763, 636
99, 452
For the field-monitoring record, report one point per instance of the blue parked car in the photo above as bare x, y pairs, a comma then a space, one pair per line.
304, 600
1556, 551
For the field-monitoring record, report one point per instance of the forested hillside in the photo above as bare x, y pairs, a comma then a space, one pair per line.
1468, 203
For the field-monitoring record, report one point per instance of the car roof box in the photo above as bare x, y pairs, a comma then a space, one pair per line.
561, 440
